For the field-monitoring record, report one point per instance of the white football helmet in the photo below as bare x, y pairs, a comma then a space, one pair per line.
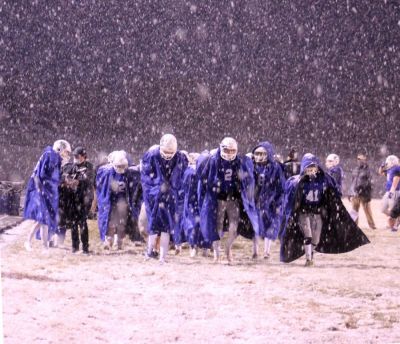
119, 161
260, 155
63, 148
332, 160
168, 146
229, 149
110, 157
391, 160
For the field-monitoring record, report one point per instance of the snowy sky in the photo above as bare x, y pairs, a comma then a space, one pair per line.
322, 75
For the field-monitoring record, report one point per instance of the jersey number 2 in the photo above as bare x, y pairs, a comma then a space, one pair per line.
228, 175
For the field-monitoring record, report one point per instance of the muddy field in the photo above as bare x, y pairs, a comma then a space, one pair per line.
116, 297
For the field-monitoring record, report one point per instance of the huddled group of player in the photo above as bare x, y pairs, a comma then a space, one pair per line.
196, 198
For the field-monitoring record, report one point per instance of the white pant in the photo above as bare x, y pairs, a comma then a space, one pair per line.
231, 208
142, 222
311, 225
388, 203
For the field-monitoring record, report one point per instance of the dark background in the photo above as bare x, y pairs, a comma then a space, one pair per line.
319, 75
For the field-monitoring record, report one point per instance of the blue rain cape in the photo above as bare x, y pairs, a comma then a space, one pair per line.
339, 233
269, 192
208, 205
163, 193
135, 191
135, 201
41, 203
191, 217
390, 174
336, 172
105, 177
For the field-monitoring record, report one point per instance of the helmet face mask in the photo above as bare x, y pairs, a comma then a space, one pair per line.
260, 155
311, 171
167, 154
228, 149
63, 148
65, 154
228, 154
168, 146
120, 169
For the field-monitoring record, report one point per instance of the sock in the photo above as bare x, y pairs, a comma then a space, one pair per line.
255, 245
231, 238
164, 244
32, 233
151, 243
215, 245
44, 234
267, 246
308, 249
61, 236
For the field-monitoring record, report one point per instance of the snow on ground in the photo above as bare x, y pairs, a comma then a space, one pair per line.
116, 297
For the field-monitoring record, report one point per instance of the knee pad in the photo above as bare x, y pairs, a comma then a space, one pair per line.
307, 241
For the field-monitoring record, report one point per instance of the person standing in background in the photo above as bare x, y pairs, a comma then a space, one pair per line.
291, 166
83, 176
361, 190
391, 170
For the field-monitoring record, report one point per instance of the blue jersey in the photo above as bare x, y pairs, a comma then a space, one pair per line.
259, 172
167, 166
312, 194
118, 188
228, 181
391, 173
259, 176
337, 174
268, 193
